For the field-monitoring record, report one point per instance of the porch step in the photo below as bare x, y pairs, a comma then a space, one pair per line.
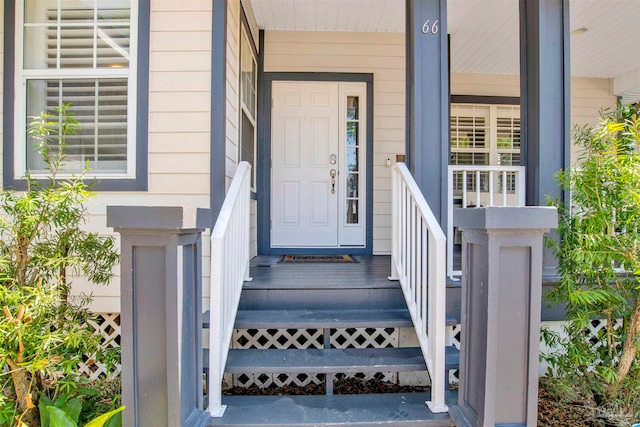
330, 361
324, 361
362, 410
319, 319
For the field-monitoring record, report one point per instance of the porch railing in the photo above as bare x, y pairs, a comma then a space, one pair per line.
418, 261
229, 270
479, 186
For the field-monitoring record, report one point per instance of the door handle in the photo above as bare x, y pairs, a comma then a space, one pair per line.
333, 181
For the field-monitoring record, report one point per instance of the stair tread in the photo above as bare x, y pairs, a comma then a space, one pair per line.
317, 361
293, 319
405, 410
321, 361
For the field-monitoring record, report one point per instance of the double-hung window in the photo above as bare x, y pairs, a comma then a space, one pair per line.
485, 135
248, 104
81, 52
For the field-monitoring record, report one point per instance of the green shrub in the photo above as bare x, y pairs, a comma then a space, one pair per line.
44, 334
599, 264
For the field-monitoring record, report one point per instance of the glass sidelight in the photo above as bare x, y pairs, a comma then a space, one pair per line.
352, 156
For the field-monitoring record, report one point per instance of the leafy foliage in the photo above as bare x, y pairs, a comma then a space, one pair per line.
599, 264
44, 334
60, 417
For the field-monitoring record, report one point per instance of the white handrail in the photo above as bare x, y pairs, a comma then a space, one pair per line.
482, 195
418, 261
229, 269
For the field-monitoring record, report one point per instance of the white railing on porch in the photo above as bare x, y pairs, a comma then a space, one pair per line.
418, 261
229, 270
475, 186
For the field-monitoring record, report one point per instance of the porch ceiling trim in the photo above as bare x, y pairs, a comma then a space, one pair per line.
627, 86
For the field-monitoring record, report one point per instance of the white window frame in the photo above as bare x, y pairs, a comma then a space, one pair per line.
491, 138
243, 108
22, 76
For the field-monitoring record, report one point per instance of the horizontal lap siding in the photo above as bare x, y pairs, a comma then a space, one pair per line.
233, 88
588, 95
377, 53
179, 127
588, 98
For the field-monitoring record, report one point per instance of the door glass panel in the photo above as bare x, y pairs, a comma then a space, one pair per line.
352, 108
352, 133
353, 158
352, 185
352, 211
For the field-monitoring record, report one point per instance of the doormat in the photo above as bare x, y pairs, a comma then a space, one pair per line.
318, 258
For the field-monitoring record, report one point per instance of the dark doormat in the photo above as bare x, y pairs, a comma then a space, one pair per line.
318, 258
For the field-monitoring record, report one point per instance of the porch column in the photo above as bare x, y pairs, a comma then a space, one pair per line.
545, 76
161, 314
427, 94
217, 174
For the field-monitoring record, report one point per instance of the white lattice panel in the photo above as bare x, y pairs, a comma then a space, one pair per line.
364, 338
454, 374
310, 338
596, 329
108, 326
277, 338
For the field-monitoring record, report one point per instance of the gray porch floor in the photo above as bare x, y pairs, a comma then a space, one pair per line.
369, 272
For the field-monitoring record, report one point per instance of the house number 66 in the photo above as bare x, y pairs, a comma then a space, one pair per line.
433, 29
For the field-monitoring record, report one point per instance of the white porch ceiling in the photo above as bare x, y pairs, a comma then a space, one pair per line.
484, 33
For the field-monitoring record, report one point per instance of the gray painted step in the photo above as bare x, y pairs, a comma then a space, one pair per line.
318, 361
362, 410
318, 319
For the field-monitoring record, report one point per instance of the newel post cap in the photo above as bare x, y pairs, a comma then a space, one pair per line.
514, 218
158, 217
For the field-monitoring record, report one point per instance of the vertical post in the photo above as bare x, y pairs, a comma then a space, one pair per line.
501, 296
395, 218
218, 107
545, 77
161, 314
427, 94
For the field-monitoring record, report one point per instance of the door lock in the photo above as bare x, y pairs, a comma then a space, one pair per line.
333, 181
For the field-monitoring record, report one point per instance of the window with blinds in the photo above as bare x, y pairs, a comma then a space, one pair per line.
485, 135
79, 52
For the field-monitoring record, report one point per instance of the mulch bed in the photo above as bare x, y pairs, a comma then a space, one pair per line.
553, 412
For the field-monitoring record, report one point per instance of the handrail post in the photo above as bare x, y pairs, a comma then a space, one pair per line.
394, 225
161, 314
216, 334
437, 326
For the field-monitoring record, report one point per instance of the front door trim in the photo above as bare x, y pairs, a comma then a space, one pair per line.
264, 161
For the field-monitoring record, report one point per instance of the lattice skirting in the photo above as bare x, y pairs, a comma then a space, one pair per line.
310, 338
107, 325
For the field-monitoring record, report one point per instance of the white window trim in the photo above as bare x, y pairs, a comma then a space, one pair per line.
22, 75
491, 148
243, 108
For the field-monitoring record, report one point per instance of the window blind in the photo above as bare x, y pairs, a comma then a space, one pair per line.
84, 40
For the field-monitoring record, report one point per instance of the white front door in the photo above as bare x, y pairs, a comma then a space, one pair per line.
317, 161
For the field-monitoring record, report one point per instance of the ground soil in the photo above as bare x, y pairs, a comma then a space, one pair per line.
551, 411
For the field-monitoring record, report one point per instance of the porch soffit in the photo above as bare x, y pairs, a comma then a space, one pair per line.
484, 33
